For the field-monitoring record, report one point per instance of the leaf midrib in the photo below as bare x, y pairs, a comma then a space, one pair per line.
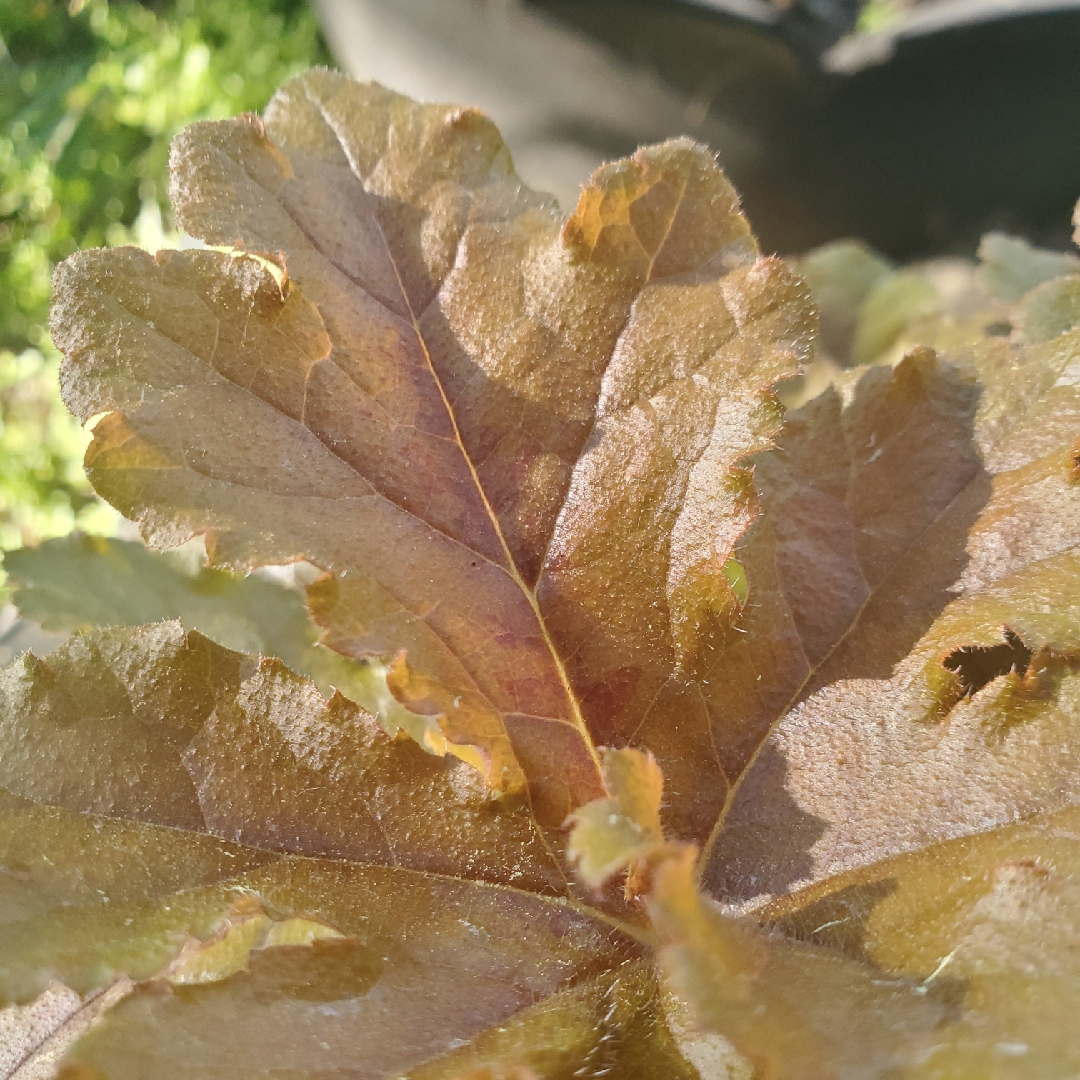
577, 717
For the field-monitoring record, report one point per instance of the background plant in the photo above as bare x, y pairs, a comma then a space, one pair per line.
91, 93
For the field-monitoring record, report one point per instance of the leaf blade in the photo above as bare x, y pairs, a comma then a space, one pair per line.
522, 356
188, 735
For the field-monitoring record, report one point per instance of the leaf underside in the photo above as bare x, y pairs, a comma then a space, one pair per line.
543, 469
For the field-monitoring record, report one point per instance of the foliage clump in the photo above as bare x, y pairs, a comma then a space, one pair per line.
755, 731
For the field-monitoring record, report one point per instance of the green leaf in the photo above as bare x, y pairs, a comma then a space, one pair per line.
1011, 267
842, 275
77, 582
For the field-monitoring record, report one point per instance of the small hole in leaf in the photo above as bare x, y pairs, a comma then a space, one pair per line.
979, 664
998, 329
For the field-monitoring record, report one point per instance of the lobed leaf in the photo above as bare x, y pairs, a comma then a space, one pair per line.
607, 835
543, 467
994, 666
513, 441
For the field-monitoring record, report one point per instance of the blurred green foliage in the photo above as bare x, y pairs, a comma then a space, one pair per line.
91, 93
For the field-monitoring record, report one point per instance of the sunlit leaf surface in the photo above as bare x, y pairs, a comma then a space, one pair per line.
766, 727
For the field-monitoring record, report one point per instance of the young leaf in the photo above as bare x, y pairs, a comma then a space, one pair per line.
872, 312
607, 835
842, 276
1011, 267
77, 582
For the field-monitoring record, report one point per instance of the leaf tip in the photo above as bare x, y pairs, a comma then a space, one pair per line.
611, 834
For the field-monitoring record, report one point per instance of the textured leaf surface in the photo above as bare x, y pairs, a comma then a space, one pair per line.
783, 1007
610, 1023
513, 441
162, 726
408, 944
977, 700
102, 878
791, 1009
608, 834
543, 467
35, 1038
990, 921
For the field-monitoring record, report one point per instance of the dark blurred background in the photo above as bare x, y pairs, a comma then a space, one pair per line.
918, 142
917, 126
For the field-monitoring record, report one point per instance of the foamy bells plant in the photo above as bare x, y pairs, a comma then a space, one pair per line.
764, 722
